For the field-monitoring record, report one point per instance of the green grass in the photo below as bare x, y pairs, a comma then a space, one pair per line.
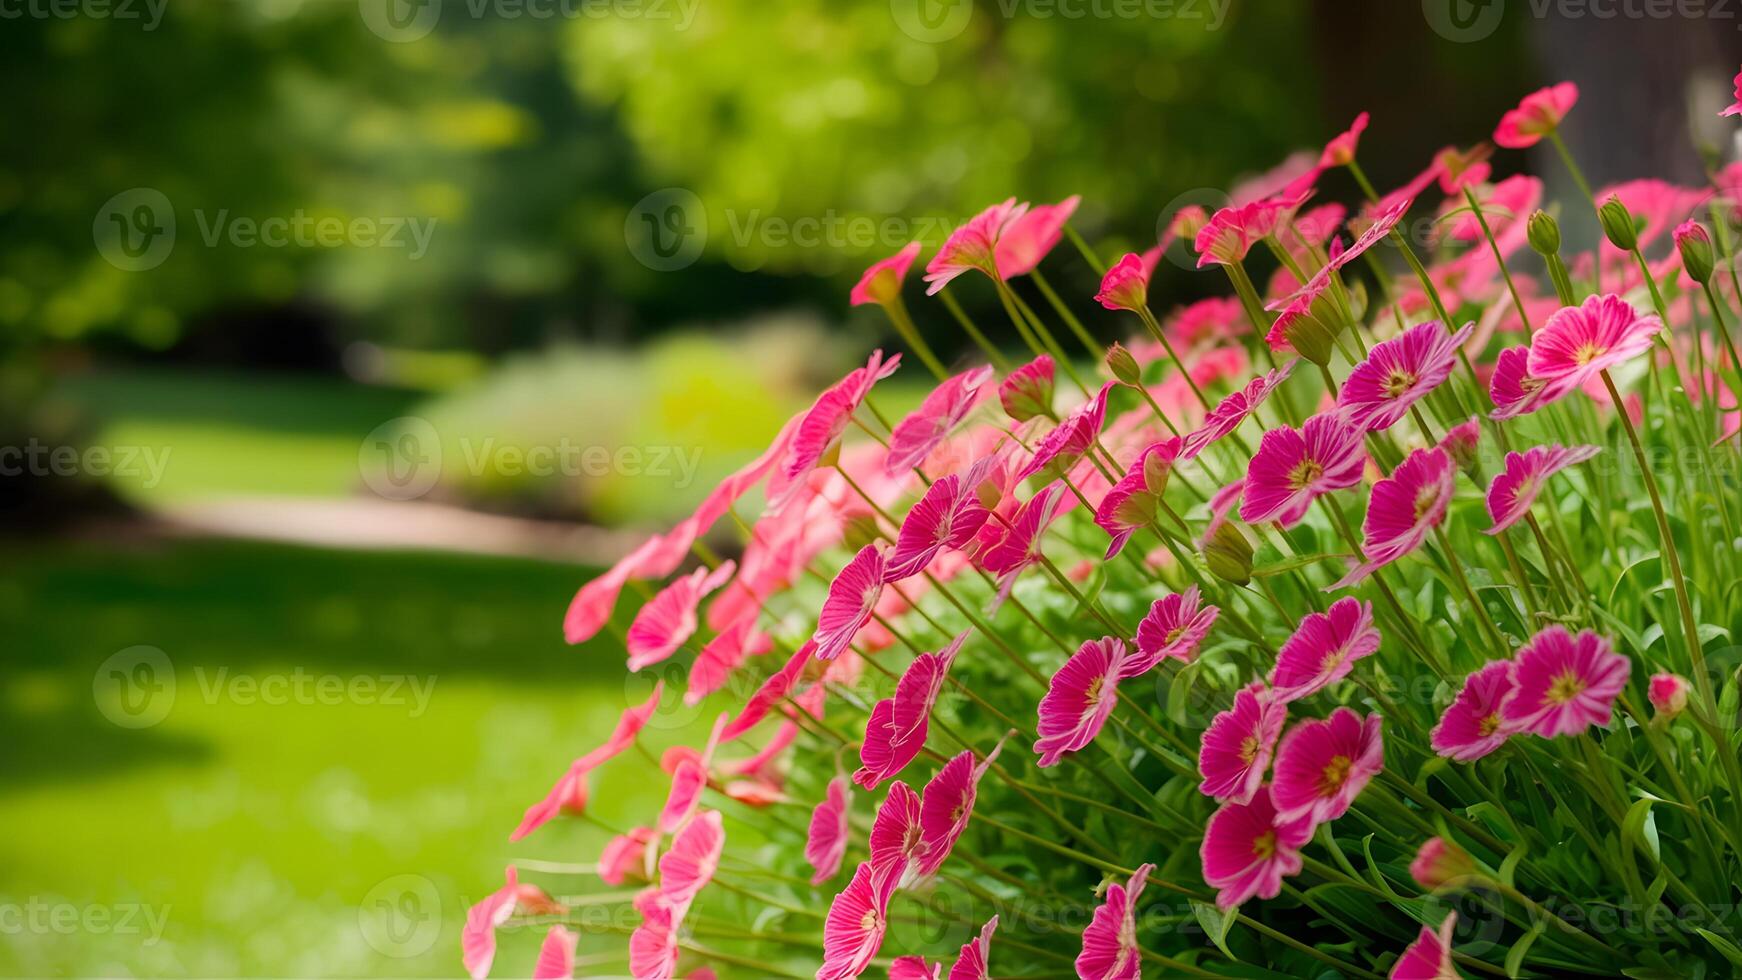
258, 830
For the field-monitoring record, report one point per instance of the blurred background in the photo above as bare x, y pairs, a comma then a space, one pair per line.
341, 342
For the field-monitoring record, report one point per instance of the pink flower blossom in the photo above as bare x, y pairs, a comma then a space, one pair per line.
914, 968
722, 655
1235, 750
1110, 950
1216, 318
1668, 694
1402, 509
1439, 863
882, 282
1398, 373
1538, 114
1324, 649
1071, 438
1515, 489
570, 792
896, 730
1234, 409
1248, 849
689, 776
853, 930
478, 936
1323, 765
1430, 956
1340, 151
1579, 342
896, 845
1131, 503
971, 962
1080, 699
1735, 108
1462, 441
1503, 204
1459, 169
669, 618
1513, 390
777, 687
1020, 546
915, 436
689, 865
1174, 627
1232, 231
653, 944
1126, 285
625, 855
946, 804
948, 515
592, 606
1028, 238
973, 246
1472, 726
1563, 684
852, 598
822, 424
1027, 391
826, 843
556, 958
1294, 466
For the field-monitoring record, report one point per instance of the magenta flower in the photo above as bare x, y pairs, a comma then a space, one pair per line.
1131, 503
1174, 628
897, 728
1079, 699
1340, 151
1381, 220
653, 944
1222, 503
722, 655
689, 865
556, 958
821, 426
1472, 726
1020, 545
971, 962
1398, 373
1563, 684
570, 792
592, 605
1579, 342
853, 930
973, 246
1402, 509
1430, 956
1514, 390
1462, 441
914, 968
1071, 438
1027, 391
826, 843
1735, 108
915, 436
1294, 466
1248, 849
1668, 694
1439, 862
1515, 489
1324, 649
625, 855
882, 282
1323, 765
1538, 114
1110, 949
1231, 232
1126, 284
1027, 239
478, 936
946, 804
1235, 750
774, 689
948, 515
896, 847
669, 618
851, 600
1234, 409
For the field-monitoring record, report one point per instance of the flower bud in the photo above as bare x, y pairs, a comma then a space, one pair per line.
1544, 233
1692, 240
1441, 862
1027, 392
1189, 220
1461, 443
1229, 555
1618, 224
1124, 366
860, 530
1668, 694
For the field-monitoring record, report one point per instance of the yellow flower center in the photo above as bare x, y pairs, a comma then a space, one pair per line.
1305, 474
1335, 774
1587, 353
1425, 500
1489, 725
1397, 384
1249, 749
1566, 687
1264, 845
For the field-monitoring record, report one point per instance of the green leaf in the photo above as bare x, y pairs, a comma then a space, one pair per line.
1640, 827
1215, 923
1515, 958
1723, 946
1299, 561
1509, 867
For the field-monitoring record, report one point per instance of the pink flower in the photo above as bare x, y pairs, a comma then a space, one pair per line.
1324, 649
1234, 409
1402, 509
669, 618
689, 776
1579, 342
1538, 115
853, 930
882, 282
1563, 684
478, 936
592, 606
1248, 849
1222, 503
1503, 204
1735, 108
1215, 318
915, 436
914, 968
1294, 466
1071, 438
1110, 949
946, 804
1020, 546
1079, 699
777, 687
689, 865
1516, 488
722, 655
1131, 503
1174, 628
896, 730
1512, 388
1235, 750
896, 845
1382, 218
1458, 169
653, 944
1027, 239
570, 792
1439, 863
973, 246
1398, 373
1668, 694
948, 515
1324, 764
1472, 726
1126, 285
821, 426
1232, 231
1462, 441
556, 958
625, 855
1340, 151
971, 961
1027, 391
1430, 956
827, 840
852, 597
